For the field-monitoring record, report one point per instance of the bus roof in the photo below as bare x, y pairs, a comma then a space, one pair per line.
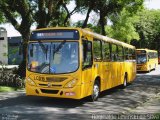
147, 50
107, 39
96, 35
53, 28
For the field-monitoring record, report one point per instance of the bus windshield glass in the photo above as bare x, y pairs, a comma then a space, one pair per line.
53, 57
141, 58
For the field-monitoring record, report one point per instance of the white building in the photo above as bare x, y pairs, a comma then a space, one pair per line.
3, 46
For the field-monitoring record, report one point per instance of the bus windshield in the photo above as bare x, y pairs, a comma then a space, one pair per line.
141, 58
53, 57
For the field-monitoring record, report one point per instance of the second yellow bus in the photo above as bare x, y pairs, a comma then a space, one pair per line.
147, 60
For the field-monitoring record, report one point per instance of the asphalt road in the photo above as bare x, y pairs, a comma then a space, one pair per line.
142, 96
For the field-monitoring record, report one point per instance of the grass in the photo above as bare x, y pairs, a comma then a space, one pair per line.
7, 89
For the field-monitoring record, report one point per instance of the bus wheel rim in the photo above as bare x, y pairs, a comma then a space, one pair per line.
95, 92
125, 82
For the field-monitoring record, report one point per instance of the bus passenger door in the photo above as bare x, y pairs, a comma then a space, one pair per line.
87, 63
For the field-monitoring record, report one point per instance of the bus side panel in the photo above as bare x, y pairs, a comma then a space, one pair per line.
89, 76
107, 75
121, 73
130, 70
87, 80
114, 74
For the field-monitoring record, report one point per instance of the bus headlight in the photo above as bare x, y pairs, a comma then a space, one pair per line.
30, 82
71, 83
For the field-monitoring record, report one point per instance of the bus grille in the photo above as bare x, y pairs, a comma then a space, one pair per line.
55, 79
49, 91
53, 85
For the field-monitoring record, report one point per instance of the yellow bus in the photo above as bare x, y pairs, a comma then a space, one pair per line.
75, 63
147, 60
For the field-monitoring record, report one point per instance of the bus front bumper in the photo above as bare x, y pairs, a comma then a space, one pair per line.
142, 68
73, 93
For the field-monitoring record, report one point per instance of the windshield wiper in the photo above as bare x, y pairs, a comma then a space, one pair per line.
59, 47
44, 49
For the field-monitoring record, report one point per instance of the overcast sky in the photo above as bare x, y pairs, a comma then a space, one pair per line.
150, 4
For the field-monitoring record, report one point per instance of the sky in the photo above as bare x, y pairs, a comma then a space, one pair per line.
150, 4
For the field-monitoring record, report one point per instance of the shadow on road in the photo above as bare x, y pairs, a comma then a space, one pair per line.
111, 101
41, 101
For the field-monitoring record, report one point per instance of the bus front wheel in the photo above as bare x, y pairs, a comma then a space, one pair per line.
95, 92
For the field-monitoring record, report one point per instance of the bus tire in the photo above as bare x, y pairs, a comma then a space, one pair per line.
155, 67
125, 82
95, 91
149, 69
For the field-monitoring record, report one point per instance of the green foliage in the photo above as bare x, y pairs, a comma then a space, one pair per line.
148, 28
94, 28
107, 8
10, 78
6, 89
97, 51
123, 27
45, 13
42, 13
2, 19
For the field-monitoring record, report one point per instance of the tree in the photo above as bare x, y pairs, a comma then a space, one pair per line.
2, 19
148, 28
40, 12
43, 13
105, 8
123, 27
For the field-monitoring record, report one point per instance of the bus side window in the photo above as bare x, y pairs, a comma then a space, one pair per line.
114, 54
126, 52
120, 53
156, 55
130, 54
87, 54
97, 50
106, 51
133, 54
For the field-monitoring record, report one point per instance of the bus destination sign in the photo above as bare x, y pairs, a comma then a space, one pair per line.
54, 35
141, 52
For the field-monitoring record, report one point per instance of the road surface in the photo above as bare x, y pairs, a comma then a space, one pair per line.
142, 96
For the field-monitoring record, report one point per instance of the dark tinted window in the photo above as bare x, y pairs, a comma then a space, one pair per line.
87, 54
114, 54
126, 53
106, 51
97, 50
120, 53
